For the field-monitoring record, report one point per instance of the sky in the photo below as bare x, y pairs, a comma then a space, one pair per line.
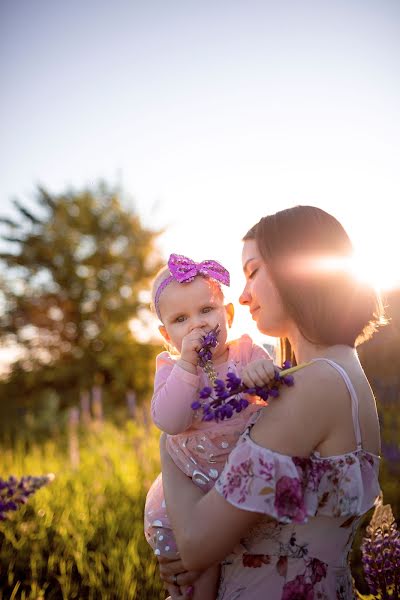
208, 115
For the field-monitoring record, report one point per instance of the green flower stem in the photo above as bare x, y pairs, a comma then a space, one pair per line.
294, 369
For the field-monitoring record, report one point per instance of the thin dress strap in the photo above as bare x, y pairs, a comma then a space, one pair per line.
354, 399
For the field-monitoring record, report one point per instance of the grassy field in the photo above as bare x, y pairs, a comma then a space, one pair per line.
82, 536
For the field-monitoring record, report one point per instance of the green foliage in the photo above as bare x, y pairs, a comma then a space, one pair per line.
82, 536
75, 277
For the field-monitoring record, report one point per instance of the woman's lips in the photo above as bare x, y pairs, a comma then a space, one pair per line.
254, 310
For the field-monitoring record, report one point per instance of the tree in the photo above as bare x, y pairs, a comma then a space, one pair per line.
75, 277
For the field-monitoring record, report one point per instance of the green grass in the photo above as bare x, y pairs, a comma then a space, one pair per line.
82, 536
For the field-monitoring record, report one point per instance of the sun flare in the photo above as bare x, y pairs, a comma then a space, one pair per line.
368, 268
375, 270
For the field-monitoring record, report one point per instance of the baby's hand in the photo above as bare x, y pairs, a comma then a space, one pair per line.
259, 372
191, 344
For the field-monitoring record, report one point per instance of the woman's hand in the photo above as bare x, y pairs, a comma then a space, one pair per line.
177, 580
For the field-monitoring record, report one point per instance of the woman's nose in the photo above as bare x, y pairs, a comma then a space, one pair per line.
244, 297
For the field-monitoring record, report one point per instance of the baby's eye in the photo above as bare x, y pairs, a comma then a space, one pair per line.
207, 309
179, 319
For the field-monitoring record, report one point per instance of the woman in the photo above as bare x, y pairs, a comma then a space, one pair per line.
283, 514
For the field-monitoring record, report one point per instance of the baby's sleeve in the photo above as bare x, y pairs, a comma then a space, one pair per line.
174, 391
259, 352
250, 351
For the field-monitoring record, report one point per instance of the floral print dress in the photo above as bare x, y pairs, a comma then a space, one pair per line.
299, 550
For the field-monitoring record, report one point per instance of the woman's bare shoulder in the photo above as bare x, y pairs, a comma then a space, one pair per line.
298, 420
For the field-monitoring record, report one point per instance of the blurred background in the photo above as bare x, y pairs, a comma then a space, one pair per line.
129, 131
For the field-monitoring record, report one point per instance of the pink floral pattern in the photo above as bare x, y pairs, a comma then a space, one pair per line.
289, 498
298, 589
309, 501
240, 479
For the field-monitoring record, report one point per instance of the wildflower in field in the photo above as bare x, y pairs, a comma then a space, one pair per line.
381, 553
15, 492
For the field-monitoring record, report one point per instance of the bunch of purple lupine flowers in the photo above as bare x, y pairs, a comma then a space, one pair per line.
210, 340
381, 554
15, 492
224, 398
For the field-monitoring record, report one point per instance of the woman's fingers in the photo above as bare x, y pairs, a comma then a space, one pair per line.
185, 578
179, 578
169, 566
174, 593
173, 573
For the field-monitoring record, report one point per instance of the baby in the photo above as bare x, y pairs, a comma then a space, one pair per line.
189, 303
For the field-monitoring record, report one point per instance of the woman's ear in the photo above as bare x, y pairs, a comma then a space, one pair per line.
164, 333
230, 311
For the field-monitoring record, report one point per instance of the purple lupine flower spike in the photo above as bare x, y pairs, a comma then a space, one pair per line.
15, 492
210, 340
381, 553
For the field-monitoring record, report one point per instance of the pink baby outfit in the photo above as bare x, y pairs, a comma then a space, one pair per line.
200, 449
312, 508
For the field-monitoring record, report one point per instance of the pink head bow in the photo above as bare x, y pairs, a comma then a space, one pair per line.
184, 270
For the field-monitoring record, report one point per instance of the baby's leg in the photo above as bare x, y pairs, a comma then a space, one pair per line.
206, 586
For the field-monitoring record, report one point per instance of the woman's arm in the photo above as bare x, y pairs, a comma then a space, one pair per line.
207, 527
196, 518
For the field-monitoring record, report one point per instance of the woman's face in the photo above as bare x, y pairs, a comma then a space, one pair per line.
260, 294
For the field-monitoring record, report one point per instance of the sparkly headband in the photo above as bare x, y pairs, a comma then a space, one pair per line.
184, 270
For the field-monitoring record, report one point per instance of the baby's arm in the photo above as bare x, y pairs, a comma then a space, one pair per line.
174, 391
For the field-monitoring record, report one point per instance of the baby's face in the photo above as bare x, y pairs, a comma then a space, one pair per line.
188, 306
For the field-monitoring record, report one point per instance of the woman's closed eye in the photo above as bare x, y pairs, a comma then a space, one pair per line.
252, 273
